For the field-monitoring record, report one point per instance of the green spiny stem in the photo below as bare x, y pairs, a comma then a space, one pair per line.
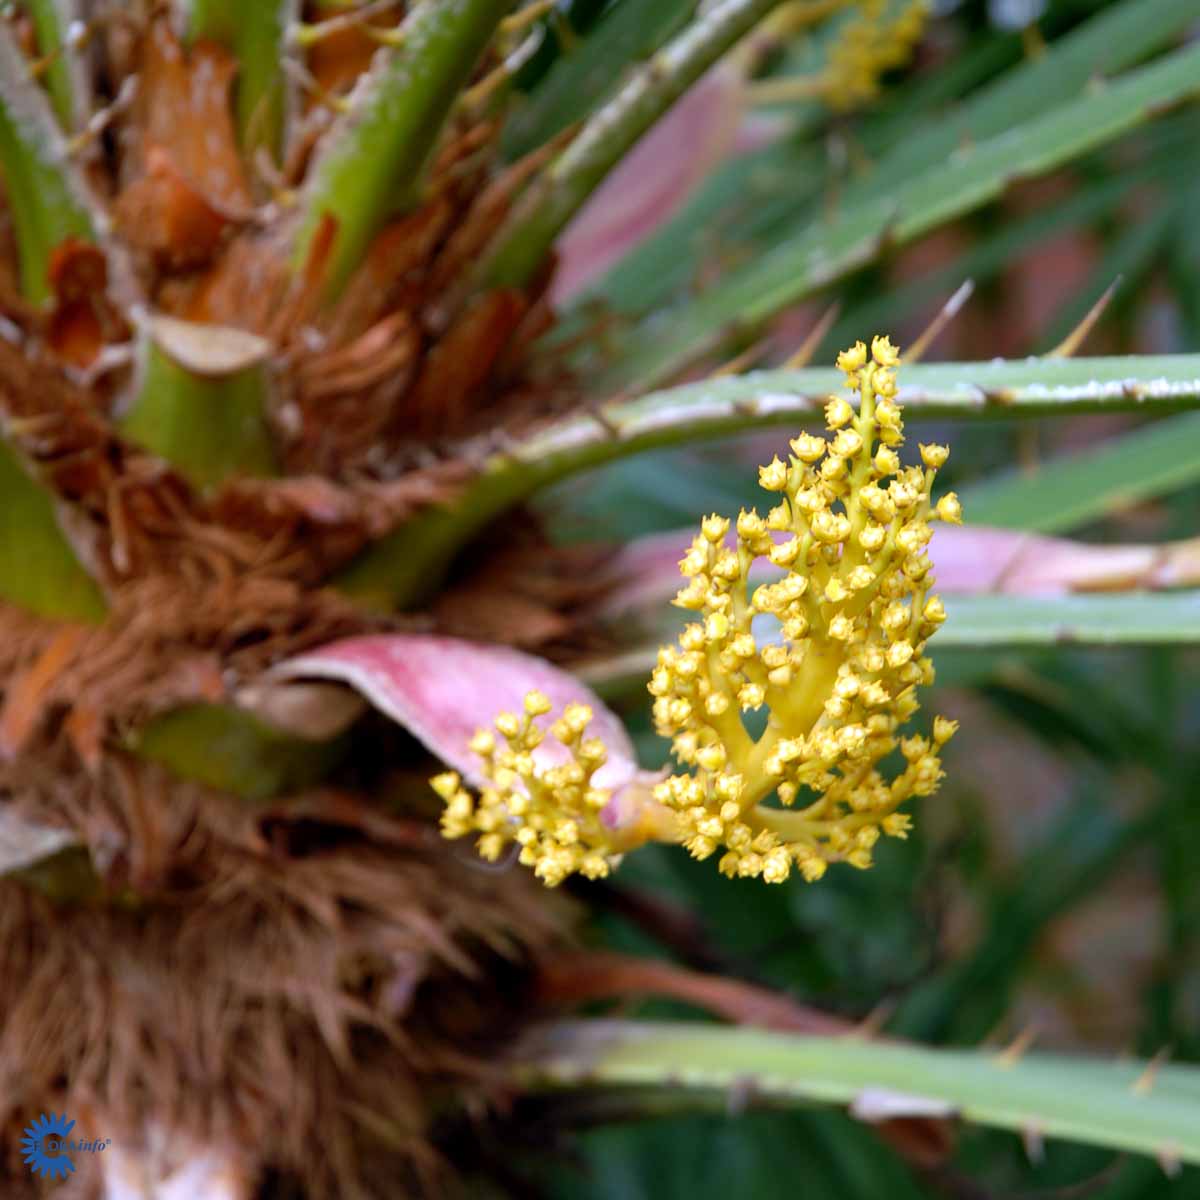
604, 141
47, 198
65, 80
1132, 1106
370, 164
591, 68
894, 212
404, 567
38, 567
257, 33
201, 398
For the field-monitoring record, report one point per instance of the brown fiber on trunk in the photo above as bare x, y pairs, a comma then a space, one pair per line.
285, 987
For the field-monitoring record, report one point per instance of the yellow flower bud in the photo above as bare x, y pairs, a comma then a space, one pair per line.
833, 468
847, 443
483, 743
934, 456
943, 730
837, 412
777, 866
446, 784
537, 704
773, 477
883, 352
949, 509
750, 525
886, 461
508, 724
716, 627
888, 415
853, 359
784, 554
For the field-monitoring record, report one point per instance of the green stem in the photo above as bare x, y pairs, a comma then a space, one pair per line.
47, 199
38, 568
256, 32
52, 20
201, 401
403, 568
370, 164
608, 136
1126, 1106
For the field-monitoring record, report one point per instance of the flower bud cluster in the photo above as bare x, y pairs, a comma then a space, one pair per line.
552, 812
852, 600
877, 38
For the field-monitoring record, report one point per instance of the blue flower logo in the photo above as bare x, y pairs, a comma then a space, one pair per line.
53, 1165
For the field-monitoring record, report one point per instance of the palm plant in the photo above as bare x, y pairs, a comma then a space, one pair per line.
284, 365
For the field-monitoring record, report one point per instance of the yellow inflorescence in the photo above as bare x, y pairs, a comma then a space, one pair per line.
850, 604
552, 813
853, 608
872, 42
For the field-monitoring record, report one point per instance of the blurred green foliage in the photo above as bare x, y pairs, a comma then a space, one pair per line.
1052, 883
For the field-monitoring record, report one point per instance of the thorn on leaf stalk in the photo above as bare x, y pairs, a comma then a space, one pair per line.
945, 315
741, 1094
1004, 397
871, 1026
305, 79
1015, 1050
102, 118
1168, 1160
1035, 1146
811, 344
606, 423
740, 362
305, 34
523, 18
1145, 1081
1067, 347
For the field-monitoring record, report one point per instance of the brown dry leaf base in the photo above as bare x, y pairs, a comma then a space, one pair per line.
305, 985
295, 974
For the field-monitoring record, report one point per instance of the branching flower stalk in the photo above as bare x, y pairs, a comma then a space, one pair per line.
854, 607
